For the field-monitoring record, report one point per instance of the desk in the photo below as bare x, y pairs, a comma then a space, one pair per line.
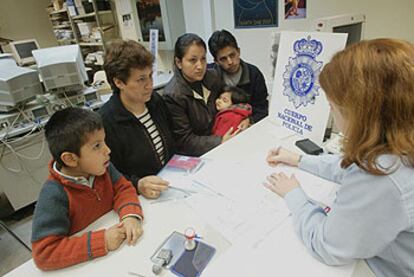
288, 257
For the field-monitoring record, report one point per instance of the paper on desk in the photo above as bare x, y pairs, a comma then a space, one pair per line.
242, 209
281, 254
245, 206
316, 188
237, 221
235, 180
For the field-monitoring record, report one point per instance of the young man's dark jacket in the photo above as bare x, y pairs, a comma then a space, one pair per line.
132, 151
192, 117
251, 81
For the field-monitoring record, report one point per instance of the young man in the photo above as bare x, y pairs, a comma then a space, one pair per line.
235, 72
82, 186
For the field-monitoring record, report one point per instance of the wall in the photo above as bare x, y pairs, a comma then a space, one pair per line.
384, 19
133, 30
24, 19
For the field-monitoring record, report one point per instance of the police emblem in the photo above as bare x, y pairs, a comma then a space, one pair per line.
301, 76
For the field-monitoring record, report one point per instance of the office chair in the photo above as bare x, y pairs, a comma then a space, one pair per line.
4, 226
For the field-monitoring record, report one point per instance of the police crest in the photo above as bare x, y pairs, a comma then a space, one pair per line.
301, 76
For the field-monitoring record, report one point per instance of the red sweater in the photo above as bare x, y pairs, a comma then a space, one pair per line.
65, 208
230, 117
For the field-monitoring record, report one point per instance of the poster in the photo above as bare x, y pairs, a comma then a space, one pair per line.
255, 13
295, 9
297, 100
150, 17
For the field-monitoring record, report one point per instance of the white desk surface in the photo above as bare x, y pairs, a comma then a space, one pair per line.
279, 253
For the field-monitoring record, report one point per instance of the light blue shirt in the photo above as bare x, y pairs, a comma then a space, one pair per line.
372, 217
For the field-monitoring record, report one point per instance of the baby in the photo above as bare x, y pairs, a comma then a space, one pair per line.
232, 108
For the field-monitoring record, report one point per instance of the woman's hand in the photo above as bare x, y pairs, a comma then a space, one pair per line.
281, 184
282, 155
152, 186
228, 135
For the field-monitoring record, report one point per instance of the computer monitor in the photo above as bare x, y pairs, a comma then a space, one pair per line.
351, 24
17, 85
61, 68
22, 51
7, 59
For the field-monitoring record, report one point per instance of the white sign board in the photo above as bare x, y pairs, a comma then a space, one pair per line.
297, 101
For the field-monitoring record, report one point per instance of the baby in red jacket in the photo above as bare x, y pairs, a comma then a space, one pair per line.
232, 109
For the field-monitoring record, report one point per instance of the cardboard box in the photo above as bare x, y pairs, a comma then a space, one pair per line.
57, 4
85, 28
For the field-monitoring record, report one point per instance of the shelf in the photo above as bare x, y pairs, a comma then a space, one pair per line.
66, 40
90, 44
59, 11
61, 27
90, 14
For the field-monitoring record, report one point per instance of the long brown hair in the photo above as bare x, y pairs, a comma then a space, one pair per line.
372, 83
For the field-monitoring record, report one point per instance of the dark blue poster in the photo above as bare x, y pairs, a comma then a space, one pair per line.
255, 13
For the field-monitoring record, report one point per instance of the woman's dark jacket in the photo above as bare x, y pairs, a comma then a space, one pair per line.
192, 118
132, 151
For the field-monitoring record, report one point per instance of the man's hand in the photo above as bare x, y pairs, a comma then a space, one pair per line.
152, 186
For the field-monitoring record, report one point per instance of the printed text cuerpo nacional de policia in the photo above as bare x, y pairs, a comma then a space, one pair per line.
294, 121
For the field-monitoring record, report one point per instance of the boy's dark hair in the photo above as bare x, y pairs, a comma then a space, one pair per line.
122, 56
237, 95
185, 41
67, 130
220, 40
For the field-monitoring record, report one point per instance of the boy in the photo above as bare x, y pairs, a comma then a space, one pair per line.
232, 109
82, 186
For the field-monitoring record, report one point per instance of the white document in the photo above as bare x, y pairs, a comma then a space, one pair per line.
242, 209
125, 7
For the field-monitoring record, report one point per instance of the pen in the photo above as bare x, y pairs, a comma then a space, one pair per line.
135, 274
187, 191
210, 189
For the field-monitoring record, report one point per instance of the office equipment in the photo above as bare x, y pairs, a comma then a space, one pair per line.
4, 226
334, 144
192, 262
309, 147
190, 242
17, 85
22, 51
351, 24
184, 262
6, 60
61, 68
163, 258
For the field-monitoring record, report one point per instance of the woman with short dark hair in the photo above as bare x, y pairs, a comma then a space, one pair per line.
136, 120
